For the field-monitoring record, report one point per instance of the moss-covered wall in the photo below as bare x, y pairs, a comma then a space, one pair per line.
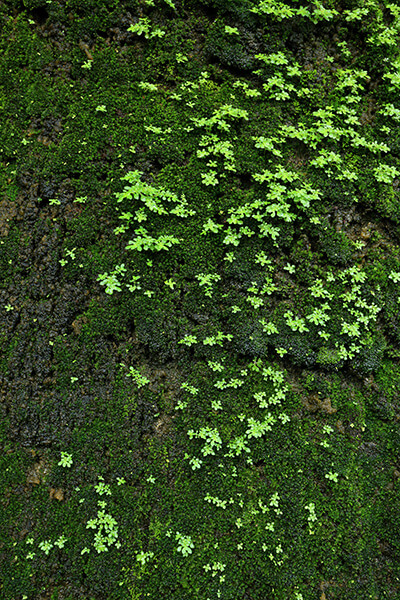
199, 271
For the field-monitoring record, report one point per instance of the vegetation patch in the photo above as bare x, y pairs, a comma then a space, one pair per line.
199, 290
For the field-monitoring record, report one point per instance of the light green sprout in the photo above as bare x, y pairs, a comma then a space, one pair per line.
66, 460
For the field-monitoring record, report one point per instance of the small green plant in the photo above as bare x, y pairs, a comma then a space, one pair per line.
312, 517
217, 339
188, 340
257, 428
190, 388
181, 58
46, 546
385, 173
102, 488
143, 27
170, 283
194, 462
295, 323
134, 283
144, 241
215, 366
66, 460
351, 329
231, 30
60, 542
106, 530
110, 281
212, 438
394, 276
319, 316
144, 557
138, 378
206, 280
209, 178
185, 544
146, 85
281, 352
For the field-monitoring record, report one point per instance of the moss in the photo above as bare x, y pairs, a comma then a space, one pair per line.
371, 356
329, 358
67, 372
9, 255
336, 246
229, 50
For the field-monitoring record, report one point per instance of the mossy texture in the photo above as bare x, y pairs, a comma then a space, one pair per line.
199, 300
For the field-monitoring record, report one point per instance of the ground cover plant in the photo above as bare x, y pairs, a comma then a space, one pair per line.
200, 301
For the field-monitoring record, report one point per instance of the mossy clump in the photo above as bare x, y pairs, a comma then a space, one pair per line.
336, 246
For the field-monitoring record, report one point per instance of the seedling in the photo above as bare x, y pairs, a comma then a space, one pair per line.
66, 460
185, 544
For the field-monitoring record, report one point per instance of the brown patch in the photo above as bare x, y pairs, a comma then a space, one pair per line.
85, 49
8, 210
79, 323
37, 473
297, 160
167, 382
56, 494
314, 404
366, 231
370, 383
327, 407
340, 427
33, 478
162, 425
368, 116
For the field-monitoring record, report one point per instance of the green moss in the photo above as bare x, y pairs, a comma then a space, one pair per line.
336, 246
333, 443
